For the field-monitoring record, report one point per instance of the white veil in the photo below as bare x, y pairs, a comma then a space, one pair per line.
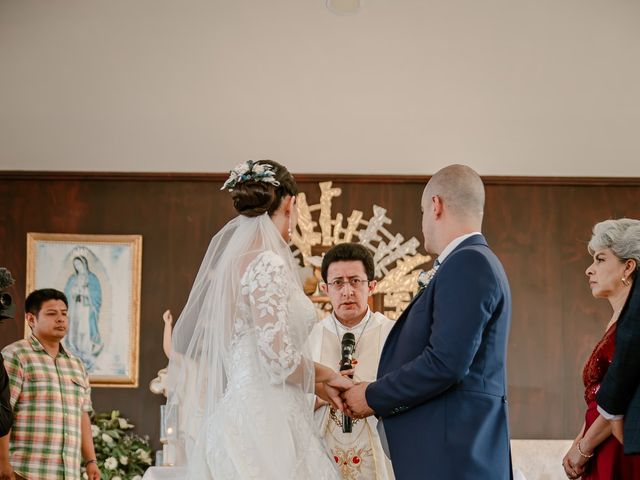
199, 367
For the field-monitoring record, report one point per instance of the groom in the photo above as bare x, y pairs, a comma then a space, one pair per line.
441, 388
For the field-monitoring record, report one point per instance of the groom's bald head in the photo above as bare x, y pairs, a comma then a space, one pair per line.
460, 189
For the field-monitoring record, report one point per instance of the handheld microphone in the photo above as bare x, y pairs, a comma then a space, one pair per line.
348, 346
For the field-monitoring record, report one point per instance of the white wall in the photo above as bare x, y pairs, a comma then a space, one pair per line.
512, 87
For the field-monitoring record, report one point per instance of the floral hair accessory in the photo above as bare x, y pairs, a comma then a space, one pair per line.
250, 170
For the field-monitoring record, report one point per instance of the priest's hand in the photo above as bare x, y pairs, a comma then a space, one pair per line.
357, 406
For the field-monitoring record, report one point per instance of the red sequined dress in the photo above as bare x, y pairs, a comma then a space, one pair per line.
609, 461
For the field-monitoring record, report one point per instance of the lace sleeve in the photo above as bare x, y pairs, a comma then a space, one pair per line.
267, 289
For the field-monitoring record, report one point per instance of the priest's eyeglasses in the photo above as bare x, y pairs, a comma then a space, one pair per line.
354, 283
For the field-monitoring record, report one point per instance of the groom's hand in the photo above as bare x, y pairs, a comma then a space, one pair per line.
357, 402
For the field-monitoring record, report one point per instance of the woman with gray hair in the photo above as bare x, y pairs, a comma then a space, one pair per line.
595, 453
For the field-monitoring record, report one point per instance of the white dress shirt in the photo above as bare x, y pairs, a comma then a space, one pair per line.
453, 244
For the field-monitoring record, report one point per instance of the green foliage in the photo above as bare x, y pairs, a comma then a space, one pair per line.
121, 455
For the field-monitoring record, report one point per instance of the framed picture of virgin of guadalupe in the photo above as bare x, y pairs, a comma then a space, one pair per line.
100, 276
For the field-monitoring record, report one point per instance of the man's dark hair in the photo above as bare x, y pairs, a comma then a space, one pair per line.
34, 301
347, 252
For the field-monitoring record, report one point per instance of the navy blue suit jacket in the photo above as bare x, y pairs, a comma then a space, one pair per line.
619, 393
441, 388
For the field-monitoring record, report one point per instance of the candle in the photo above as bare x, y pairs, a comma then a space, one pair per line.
163, 424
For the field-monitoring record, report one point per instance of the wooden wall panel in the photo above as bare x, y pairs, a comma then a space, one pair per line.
539, 227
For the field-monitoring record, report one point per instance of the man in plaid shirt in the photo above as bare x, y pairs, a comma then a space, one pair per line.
50, 396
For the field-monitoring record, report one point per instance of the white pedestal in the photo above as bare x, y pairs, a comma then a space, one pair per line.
539, 459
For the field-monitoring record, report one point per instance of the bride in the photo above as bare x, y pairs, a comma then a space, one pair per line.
241, 378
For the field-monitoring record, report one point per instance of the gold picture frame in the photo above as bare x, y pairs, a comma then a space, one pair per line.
101, 276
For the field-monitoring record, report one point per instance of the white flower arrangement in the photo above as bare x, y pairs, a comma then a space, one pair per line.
250, 170
143, 455
121, 455
111, 463
123, 423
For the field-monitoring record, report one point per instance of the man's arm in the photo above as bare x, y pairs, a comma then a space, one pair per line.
623, 376
88, 451
466, 297
6, 471
86, 439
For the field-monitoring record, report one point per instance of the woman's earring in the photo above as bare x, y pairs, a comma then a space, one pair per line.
625, 282
289, 228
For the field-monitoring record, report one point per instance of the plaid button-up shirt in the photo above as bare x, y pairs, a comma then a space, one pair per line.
48, 396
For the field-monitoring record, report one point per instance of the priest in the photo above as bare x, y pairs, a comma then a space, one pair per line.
348, 274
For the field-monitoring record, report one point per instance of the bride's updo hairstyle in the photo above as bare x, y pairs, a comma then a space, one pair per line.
255, 196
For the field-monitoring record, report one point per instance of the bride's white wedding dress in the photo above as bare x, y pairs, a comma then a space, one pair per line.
263, 428
251, 415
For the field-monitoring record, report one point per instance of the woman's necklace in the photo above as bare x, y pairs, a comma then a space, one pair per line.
355, 348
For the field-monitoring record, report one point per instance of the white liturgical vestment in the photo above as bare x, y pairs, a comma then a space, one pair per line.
358, 454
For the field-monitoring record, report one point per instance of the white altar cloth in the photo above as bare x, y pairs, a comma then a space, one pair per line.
532, 460
165, 473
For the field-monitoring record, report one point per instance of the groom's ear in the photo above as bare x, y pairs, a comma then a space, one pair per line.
437, 205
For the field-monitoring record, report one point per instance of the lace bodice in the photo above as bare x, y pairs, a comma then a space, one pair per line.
274, 313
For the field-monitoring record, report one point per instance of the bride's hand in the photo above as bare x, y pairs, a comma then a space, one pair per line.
333, 397
332, 389
341, 381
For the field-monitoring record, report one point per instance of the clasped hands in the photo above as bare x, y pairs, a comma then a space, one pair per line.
574, 463
347, 396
